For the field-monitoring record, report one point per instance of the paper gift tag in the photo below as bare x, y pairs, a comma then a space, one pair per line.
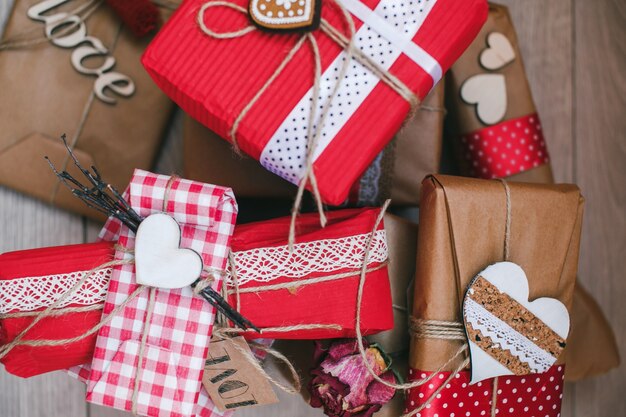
230, 378
286, 15
159, 260
499, 52
507, 333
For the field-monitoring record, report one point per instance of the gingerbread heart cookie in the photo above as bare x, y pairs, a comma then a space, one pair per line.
286, 15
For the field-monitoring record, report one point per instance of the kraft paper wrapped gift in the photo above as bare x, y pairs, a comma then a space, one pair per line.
396, 173
43, 96
462, 231
237, 87
592, 349
511, 145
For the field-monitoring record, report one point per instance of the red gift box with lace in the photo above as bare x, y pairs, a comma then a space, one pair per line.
315, 287
31, 280
228, 75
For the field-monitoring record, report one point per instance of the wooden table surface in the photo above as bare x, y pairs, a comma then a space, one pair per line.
574, 52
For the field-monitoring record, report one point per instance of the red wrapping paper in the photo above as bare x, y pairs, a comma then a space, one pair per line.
330, 302
27, 361
506, 148
517, 396
214, 79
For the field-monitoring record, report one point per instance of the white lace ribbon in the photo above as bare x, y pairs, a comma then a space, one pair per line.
319, 256
508, 338
33, 293
260, 265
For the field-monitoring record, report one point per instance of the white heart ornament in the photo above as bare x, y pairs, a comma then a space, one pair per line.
507, 334
488, 93
499, 52
159, 260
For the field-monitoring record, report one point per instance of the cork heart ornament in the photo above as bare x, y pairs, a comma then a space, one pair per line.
488, 93
507, 333
159, 260
499, 52
285, 15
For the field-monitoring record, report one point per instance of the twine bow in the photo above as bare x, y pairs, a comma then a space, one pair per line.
313, 132
451, 330
52, 309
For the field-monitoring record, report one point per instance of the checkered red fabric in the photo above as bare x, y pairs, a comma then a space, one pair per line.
179, 330
204, 406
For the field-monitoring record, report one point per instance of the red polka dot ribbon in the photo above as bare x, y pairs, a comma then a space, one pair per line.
506, 148
518, 396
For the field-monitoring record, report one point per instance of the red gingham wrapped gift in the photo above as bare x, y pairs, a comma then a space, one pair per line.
216, 80
179, 331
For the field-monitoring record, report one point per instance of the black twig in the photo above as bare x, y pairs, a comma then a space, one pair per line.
97, 194
104, 198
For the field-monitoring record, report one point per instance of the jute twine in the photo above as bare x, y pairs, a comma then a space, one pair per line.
313, 133
30, 38
52, 309
450, 330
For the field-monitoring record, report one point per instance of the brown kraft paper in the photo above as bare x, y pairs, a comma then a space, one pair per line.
587, 317
462, 224
402, 242
519, 97
413, 154
230, 378
44, 96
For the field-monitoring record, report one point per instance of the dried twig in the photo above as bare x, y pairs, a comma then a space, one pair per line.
97, 194
103, 197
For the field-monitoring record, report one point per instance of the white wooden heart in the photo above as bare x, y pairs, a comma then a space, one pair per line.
159, 260
488, 93
507, 333
499, 52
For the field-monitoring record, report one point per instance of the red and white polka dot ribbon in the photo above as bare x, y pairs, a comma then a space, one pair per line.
505, 149
518, 396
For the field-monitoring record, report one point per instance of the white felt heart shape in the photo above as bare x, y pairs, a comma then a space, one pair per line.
159, 261
488, 93
507, 334
499, 52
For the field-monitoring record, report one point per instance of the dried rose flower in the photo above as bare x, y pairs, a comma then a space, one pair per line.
341, 383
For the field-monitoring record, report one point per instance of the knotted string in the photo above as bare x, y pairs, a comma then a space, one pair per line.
507, 238
52, 311
436, 329
451, 330
313, 132
149, 310
359, 334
